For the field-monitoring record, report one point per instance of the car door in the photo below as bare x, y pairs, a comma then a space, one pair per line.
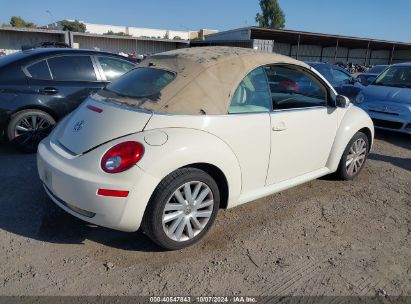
303, 126
62, 82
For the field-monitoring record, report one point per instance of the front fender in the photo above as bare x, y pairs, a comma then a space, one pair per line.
190, 146
354, 119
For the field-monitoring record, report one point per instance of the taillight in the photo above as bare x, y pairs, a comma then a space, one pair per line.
122, 157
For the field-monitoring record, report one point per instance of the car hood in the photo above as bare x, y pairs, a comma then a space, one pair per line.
98, 121
373, 93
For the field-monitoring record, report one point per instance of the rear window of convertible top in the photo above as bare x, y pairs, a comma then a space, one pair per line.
141, 83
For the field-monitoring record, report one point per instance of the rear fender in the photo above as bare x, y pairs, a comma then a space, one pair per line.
185, 147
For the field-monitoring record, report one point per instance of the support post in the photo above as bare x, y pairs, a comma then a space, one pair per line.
298, 46
336, 51
392, 54
68, 38
366, 54
321, 54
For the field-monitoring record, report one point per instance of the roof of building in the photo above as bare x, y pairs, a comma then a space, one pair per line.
325, 40
53, 31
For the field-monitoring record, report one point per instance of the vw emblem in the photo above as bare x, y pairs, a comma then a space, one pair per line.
78, 125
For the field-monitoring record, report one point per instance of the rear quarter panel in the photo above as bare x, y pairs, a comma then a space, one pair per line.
238, 144
190, 146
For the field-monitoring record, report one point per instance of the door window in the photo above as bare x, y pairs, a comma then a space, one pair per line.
252, 94
72, 68
293, 88
340, 76
39, 70
114, 68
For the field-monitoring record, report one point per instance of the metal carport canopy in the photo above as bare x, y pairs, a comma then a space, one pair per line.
324, 40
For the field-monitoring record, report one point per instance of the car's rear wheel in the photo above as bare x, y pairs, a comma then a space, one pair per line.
354, 157
182, 209
28, 127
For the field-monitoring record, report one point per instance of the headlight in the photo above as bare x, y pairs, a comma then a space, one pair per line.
360, 98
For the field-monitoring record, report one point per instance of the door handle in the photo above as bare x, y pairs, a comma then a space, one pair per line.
48, 91
280, 126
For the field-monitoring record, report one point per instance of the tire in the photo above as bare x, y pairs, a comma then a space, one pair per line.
28, 127
157, 221
349, 170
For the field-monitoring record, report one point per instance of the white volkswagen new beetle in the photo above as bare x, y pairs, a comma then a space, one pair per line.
194, 130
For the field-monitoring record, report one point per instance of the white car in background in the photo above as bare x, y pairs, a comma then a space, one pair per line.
194, 130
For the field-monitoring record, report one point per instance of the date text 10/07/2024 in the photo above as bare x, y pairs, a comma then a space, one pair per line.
205, 299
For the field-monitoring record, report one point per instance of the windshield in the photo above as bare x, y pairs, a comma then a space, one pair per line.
377, 69
395, 76
141, 83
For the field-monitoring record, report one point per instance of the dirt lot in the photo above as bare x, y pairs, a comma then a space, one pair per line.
324, 237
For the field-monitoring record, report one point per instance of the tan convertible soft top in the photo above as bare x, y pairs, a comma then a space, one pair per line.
206, 77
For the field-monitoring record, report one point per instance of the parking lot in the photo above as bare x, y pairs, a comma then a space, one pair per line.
325, 237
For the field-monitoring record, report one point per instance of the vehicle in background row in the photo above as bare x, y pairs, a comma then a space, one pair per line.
339, 78
193, 130
46, 44
40, 86
353, 68
388, 99
371, 74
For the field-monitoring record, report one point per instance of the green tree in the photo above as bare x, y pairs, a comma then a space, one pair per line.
17, 21
73, 26
176, 38
116, 34
272, 15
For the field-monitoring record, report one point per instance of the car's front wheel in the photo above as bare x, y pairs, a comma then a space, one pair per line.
28, 127
354, 157
182, 208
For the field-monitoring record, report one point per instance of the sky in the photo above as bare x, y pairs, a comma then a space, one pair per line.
380, 19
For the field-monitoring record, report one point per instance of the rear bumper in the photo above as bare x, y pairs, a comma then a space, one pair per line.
72, 184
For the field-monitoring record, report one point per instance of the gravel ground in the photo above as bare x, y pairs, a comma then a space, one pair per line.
322, 238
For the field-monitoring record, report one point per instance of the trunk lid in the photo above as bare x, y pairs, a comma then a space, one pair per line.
98, 121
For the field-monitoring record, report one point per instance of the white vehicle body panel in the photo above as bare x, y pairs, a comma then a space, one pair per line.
251, 148
312, 133
94, 129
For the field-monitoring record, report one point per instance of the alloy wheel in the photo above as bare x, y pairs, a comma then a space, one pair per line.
356, 157
31, 129
188, 211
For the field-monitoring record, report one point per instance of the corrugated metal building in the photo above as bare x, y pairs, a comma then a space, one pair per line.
12, 40
309, 46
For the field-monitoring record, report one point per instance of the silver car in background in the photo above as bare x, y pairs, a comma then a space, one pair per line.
388, 99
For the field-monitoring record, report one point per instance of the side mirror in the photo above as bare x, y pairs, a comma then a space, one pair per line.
342, 101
